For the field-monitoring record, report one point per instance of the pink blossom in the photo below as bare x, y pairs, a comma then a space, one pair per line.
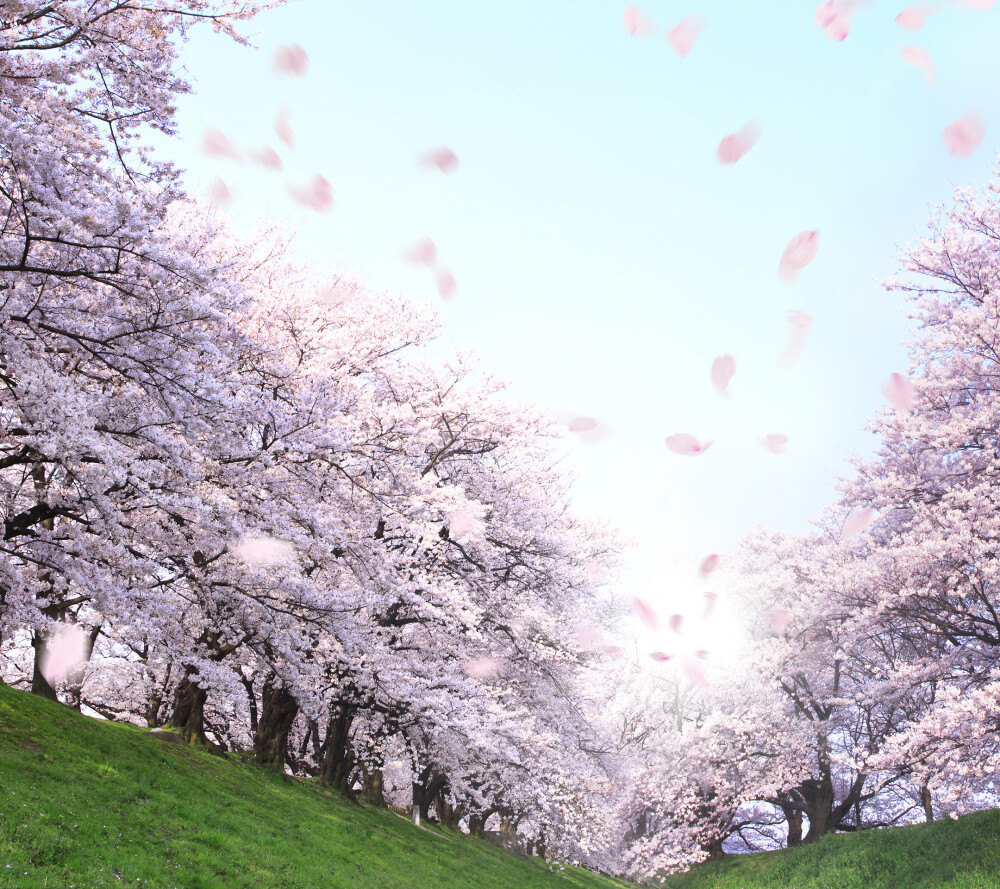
736, 145
857, 520
263, 550
291, 59
779, 620
913, 17
442, 158
688, 445
723, 369
215, 143
801, 251
964, 135
899, 392
775, 442
645, 613
317, 195
683, 34
588, 637
481, 668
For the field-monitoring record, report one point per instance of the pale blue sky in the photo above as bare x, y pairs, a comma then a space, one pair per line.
603, 256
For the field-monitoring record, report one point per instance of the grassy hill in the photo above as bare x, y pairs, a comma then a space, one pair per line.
89, 804
947, 854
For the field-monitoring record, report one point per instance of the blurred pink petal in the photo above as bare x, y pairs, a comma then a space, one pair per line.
708, 565
446, 284
735, 145
442, 158
964, 135
318, 195
267, 158
220, 193
801, 251
636, 23
65, 651
481, 668
465, 526
899, 392
615, 651
693, 671
676, 620
645, 613
582, 424
702, 654
283, 128
723, 369
710, 600
798, 332
913, 17
424, 253
685, 444
683, 34
834, 17
660, 657
857, 521
918, 57
259, 550
291, 59
588, 637
779, 620
215, 143
977, 4
775, 442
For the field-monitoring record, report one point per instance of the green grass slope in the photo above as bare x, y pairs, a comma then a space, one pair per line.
88, 804
947, 854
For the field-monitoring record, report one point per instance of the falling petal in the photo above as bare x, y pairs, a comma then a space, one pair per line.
283, 128
964, 135
660, 657
220, 193
775, 442
683, 35
645, 613
318, 195
63, 652
702, 654
636, 23
685, 444
913, 17
442, 158
834, 17
723, 369
676, 620
779, 620
481, 668
708, 565
215, 143
798, 332
291, 59
858, 520
801, 251
424, 253
918, 57
260, 550
693, 671
710, 600
446, 286
588, 637
268, 159
465, 526
736, 145
615, 651
582, 424
899, 392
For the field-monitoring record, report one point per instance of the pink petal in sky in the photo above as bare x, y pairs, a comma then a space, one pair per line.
710, 600
857, 520
684, 33
261, 550
615, 651
801, 251
220, 194
685, 444
65, 651
424, 253
918, 57
588, 637
291, 59
723, 369
779, 620
215, 143
708, 565
318, 195
446, 285
636, 23
913, 17
676, 620
834, 17
283, 128
693, 671
582, 424
899, 392
798, 332
775, 442
735, 145
964, 135
443, 158
645, 613
481, 668
660, 657
268, 159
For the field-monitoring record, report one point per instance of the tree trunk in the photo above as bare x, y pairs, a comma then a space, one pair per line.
189, 712
714, 849
153, 709
926, 802
74, 679
373, 788
337, 757
820, 811
39, 684
794, 819
278, 712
